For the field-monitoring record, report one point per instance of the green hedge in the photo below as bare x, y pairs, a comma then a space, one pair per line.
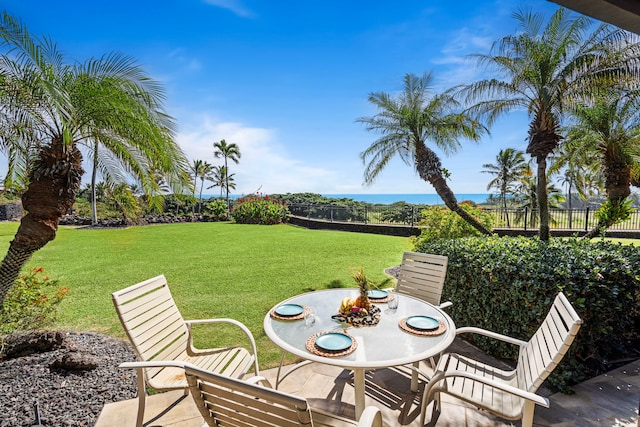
507, 285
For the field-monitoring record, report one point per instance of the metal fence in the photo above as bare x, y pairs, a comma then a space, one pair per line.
517, 219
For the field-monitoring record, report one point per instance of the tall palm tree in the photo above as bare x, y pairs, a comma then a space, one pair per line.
218, 177
200, 169
527, 192
542, 69
509, 167
68, 106
410, 120
107, 164
227, 152
608, 133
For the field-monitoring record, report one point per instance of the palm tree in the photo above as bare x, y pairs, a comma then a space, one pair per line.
64, 107
608, 133
544, 68
218, 177
527, 193
105, 162
200, 169
406, 123
227, 152
510, 166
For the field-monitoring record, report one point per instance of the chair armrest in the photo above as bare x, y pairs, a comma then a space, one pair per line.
490, 334
445, 304
234, 322
371, 417
259, 380
154, 364
535, 398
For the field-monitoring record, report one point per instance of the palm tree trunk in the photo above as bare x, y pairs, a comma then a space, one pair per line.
543, 199
504, 205
94, 173
226, 182
618, 180
429, 168
54, 184
570, 207
449, 199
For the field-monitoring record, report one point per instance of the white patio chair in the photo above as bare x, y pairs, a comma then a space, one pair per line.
508, 394
225, 401
422, 276
157, 331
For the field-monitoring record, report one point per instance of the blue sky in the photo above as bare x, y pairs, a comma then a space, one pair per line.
286, 80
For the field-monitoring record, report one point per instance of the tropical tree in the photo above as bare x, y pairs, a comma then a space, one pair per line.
607, 132
509, 167
542, 69
227, 152
410, 120
200, 169
64, 107
527, 193
218, 176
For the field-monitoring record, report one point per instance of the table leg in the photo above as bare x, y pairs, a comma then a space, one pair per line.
358, 383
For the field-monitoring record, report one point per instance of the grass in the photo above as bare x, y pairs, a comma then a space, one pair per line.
213, 270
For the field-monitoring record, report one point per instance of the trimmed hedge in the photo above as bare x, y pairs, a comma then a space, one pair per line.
507, 285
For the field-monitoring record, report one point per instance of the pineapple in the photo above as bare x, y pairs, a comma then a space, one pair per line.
363, 284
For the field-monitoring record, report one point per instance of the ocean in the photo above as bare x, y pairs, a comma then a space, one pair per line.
388, 199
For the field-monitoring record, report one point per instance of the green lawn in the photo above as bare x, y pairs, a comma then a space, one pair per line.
213, 269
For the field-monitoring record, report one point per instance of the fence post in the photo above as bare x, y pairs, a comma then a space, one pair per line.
586, 220
331, 213
526, 216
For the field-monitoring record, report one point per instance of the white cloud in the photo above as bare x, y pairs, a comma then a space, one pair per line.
234, 6
264, 163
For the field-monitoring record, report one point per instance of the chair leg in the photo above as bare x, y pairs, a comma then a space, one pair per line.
142, 398
527, 413
414, 377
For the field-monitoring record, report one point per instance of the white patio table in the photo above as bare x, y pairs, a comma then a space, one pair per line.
383, 345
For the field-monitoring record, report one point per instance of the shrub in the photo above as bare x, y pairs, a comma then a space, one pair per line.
508, 284
439, 222
31, 303
216, 210
255, 209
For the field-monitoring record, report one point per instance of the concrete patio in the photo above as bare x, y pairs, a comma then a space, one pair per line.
608, 400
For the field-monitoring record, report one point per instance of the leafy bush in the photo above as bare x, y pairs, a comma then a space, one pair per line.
30, 303
255, 209
508, 284
216, 210
439, 222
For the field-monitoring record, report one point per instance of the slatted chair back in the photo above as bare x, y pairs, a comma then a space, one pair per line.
548, 345
224, 401
422, 276
152, 320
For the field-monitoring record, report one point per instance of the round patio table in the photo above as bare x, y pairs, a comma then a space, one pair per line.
383, 345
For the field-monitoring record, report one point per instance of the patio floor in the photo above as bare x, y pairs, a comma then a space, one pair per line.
608, 400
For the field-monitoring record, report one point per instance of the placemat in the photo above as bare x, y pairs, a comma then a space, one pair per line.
313, 348
306, 309
432, 332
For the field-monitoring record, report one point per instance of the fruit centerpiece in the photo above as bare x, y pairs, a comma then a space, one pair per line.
359, 312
